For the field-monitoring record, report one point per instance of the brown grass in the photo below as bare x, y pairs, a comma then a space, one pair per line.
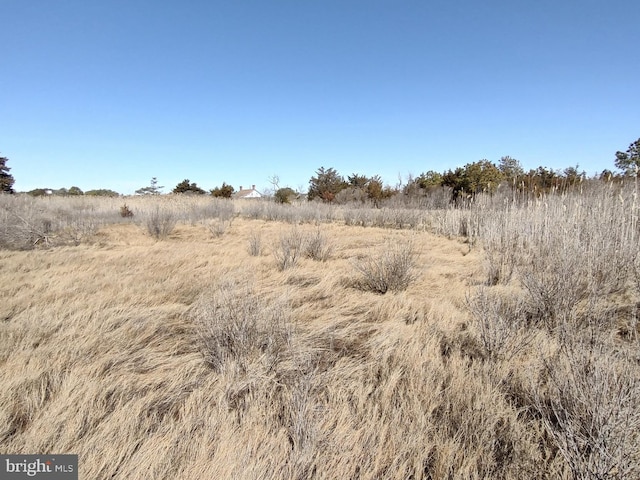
196, 357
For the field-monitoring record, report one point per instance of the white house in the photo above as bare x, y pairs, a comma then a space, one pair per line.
247, 193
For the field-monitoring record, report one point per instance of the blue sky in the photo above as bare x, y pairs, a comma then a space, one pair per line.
107, 94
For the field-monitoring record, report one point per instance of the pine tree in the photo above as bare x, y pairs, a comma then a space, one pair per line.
226, 191
153, 189
629, 161
325, 185
188, 187
6, 180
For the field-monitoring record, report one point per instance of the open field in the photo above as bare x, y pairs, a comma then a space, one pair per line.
249, 341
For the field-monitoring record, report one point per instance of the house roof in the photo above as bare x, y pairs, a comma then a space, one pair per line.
247, 192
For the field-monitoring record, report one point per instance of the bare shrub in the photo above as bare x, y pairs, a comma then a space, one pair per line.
23, 232
391, 270
218, 227
237, 325
255, 244
352, 216
78, 231
289, 249
220, 208
380, 217
317, 246
501, 323
552, 295
403, 218
559, 283
160, 223
253, 209
588, 403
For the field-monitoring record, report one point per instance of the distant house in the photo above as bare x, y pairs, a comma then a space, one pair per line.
247, 193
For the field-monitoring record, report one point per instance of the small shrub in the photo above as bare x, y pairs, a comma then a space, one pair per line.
236, 325
501, 324
402, 218
358, 216
78, 231
588, 404
317, 247
218, 227
289, 249
125, 211
160, 224
392, 270
255, 244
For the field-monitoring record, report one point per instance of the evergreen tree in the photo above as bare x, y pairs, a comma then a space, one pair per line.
429, 180
511, 170
6, 179
153, 189
325, 185
629, 161
225, 191
188, 187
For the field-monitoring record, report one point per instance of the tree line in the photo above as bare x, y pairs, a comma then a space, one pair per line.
482, 176
327, 185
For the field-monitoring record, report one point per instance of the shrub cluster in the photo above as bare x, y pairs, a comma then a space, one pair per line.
296, 244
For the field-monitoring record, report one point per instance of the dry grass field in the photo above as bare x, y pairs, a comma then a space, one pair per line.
248, 345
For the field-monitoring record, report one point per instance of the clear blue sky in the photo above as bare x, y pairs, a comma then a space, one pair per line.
107, 94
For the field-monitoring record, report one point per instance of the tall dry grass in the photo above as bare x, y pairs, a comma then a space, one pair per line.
512, 352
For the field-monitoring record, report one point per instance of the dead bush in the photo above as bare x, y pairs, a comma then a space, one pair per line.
78, 231
317, 246
587, 398
218, 227
237, 325
160, 223
501, 324
289, 249
23, 227
391, 270
255, 244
